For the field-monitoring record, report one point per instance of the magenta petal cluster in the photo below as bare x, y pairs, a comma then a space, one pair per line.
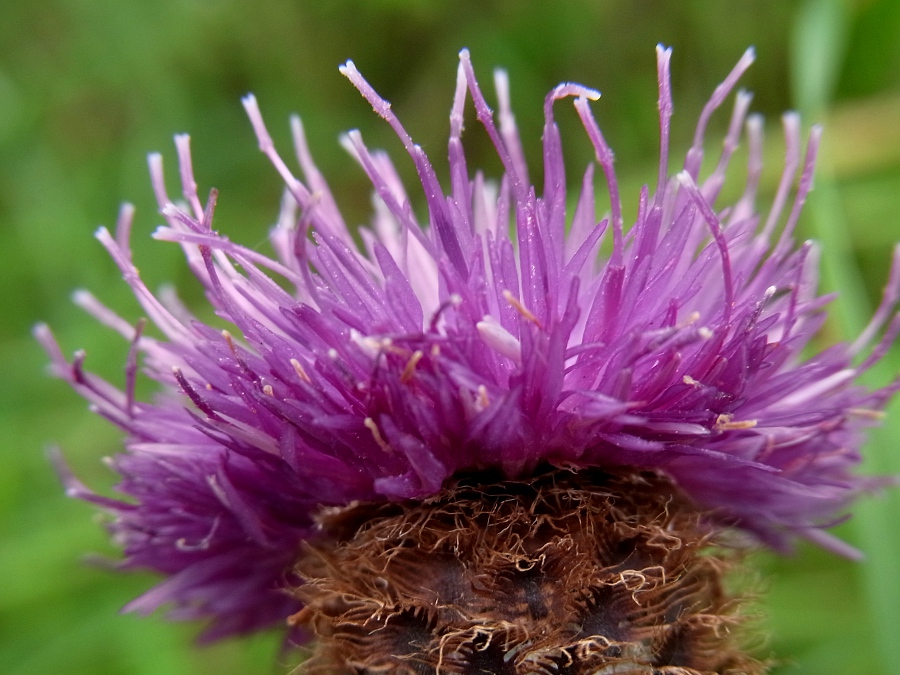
506, 331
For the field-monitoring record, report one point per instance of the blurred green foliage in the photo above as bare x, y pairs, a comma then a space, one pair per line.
88, 87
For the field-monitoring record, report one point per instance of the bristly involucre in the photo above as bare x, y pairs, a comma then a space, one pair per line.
453, 345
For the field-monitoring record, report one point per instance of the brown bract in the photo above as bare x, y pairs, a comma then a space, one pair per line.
562, 574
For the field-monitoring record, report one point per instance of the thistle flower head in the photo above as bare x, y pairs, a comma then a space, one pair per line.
508, 329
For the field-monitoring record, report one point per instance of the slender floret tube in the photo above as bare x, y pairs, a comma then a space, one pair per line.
512, 436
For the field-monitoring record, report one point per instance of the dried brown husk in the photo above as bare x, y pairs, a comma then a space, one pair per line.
563, 574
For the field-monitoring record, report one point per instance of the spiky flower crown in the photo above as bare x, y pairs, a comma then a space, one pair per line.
465, 344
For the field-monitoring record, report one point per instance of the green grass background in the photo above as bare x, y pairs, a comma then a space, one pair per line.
88, 87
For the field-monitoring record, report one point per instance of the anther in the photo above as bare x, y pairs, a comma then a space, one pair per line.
410, 368
230, 341
376, 434
520, 308
483, 401
725, 422
301, 373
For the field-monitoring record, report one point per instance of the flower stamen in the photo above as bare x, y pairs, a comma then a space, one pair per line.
725, 422
376, 434
300, 370
520, 308
409, 369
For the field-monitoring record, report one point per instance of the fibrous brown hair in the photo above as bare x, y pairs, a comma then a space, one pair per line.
562, 574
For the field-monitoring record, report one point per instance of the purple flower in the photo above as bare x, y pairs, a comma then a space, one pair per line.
454, 345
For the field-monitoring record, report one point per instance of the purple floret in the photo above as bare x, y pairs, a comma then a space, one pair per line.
454, 345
